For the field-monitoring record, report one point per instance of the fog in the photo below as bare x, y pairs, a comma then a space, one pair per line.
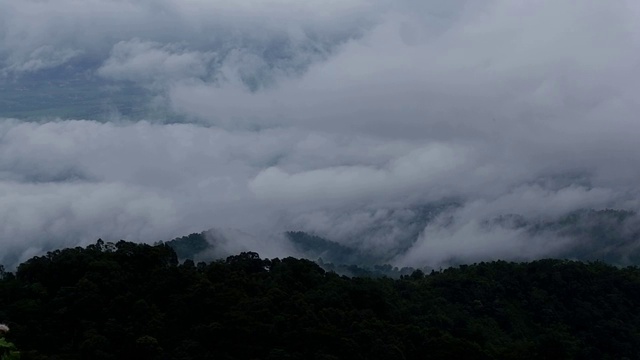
345, 119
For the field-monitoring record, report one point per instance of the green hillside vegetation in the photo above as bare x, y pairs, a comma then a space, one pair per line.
188, 247
126, 300
8, 350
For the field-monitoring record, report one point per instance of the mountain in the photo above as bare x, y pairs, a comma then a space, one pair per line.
612, 236
609, 235
316, 247
188, 247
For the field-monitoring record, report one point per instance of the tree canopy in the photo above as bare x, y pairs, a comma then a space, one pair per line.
126, 300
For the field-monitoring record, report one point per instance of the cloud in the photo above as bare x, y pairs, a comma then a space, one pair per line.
281, 32
44, 57
489, 76
350, 119
469, 242
150, 62
39, 217
421, 168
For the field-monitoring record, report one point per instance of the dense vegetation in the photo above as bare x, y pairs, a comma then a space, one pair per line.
125, 300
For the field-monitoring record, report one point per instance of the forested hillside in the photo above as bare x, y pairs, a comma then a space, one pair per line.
126, 300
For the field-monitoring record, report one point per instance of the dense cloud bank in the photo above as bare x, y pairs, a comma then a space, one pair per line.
343, 118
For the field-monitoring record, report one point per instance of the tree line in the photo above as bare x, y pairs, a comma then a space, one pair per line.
127, 300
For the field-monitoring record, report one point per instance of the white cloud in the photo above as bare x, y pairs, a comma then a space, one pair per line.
44, 57
150, 62
421, 169
331, 116
469, 242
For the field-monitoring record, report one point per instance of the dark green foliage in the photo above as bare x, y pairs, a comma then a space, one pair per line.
317, 247
187, 247
125, 300
8, 350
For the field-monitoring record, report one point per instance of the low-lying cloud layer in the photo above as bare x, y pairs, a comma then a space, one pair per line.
343, 118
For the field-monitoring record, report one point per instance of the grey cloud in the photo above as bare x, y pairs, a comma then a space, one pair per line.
529, 99
150, 62
44, 57
467, 242
344, 118
40, 217
147, 182
228, 241
493, 75
283, 33
420, 168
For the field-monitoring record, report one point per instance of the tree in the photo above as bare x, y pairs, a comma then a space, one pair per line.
7, 350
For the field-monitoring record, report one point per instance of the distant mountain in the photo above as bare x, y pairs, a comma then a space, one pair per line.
198, 245
195, 245
609, 235
315, 247
331, 255
188, 247
612, 236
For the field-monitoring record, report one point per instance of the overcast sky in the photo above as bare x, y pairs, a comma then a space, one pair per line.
338, 117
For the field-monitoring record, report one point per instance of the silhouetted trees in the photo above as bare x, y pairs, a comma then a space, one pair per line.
126, 300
